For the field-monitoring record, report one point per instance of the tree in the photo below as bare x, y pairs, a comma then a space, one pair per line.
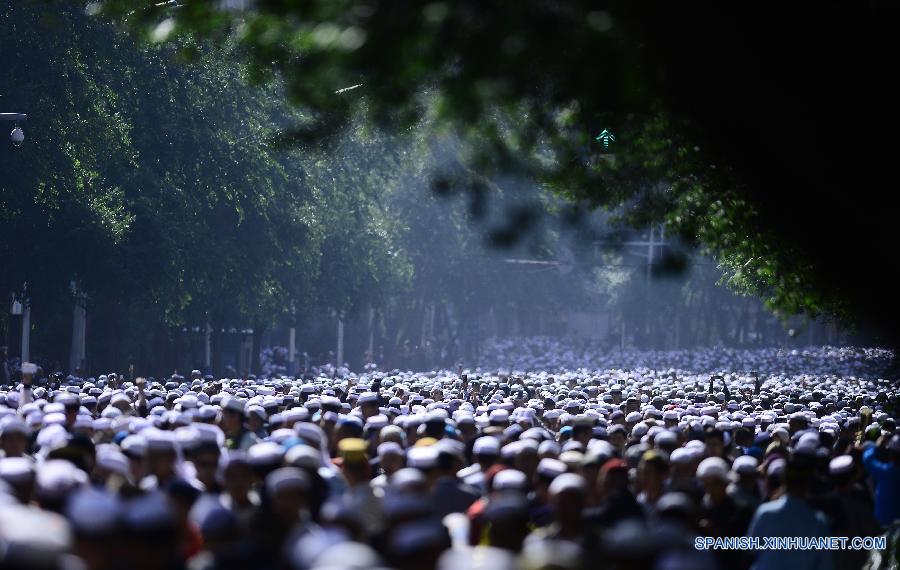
163, 198
756, 108
154, 178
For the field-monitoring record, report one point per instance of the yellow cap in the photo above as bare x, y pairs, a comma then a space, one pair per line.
425, 442
353, 449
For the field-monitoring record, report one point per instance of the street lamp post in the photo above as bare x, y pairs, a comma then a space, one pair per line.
17, 136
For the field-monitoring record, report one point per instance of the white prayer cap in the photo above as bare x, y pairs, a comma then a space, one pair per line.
256, 410
265, 453
102, 424
422, 457
13, 425
640, 429
83, 422
486, 445
303, 456
232, 404
56, 418
16, 470
120, 399
56, 478
745, 465
807, 444
209, 433
113, 460
188, 401
666, 438
135, 445
295, 415
840, 465
681, 456
287, 479
572, 458
407, 479
498, 416
551, 468
510, 479
389, 448
550, 447
567, 482
110, 412
713, 467
281, 435
52, 436
159, 440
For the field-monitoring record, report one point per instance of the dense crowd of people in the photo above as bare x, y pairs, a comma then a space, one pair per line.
551, 353
554, 460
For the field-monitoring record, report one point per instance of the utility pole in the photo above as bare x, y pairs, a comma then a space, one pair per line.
339, 357
207, 345
292, 349
292, 342
20, 307
648, 311
372, 332
79, 328
245, 359
26, 330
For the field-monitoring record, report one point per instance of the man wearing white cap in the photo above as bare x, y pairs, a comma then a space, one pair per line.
18, 473
850, 509
390, 460
568, 494
237, 435
721, 516
504, 482
744, 487
448, 493
14, 435
485, 452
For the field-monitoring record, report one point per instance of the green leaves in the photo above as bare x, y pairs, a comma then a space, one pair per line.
521, 86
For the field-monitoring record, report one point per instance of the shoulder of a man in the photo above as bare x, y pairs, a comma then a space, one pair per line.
248, 438
764, 515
